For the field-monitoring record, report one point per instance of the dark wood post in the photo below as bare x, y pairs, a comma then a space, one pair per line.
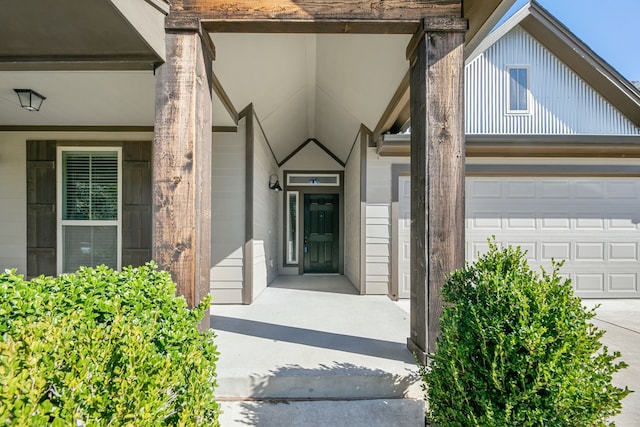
182, 162
437, 175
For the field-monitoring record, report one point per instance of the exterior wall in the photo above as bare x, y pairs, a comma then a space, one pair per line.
13, 203
13, 194
352, 217
311, 158
265, 215
560, 103
378, 221
228, 189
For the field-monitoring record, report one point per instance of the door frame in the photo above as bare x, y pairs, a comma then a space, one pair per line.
397, 170
313, 189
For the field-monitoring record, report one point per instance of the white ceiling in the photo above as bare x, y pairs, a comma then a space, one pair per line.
302, 86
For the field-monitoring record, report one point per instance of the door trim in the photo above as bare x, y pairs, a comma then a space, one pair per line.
315, 189
397, 170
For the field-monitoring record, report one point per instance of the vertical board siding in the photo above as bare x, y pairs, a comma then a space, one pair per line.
352, 227
265, 214
136, 203
228, 215
561, 103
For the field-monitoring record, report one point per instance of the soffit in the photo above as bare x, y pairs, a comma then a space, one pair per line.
41, 32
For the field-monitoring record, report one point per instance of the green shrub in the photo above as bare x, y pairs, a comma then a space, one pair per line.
517, 349
101, 347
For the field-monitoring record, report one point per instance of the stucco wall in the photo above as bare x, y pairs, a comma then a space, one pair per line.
228, 189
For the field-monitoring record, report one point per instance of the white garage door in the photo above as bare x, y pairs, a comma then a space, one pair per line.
591, 223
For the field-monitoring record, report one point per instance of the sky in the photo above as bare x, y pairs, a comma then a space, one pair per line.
611, 28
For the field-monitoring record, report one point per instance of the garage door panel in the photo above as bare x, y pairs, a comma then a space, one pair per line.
520, 220
590, 223
551, 189
589, 189
521, 189
589, 282
555, 220
623, 282
486, 188
623, 251
622, 190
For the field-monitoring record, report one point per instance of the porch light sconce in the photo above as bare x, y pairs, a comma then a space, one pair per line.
30, 100
274, 185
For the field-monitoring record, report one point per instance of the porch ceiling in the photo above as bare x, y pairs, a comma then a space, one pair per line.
301, 85
304, 86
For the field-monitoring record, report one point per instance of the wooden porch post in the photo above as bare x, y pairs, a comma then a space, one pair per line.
437, 175
182, 162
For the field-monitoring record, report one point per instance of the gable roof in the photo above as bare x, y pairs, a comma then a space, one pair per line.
560, 41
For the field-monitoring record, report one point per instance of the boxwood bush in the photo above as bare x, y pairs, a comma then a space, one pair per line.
103, 348
517, 349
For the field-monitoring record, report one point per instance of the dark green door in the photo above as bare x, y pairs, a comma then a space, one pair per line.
321, 229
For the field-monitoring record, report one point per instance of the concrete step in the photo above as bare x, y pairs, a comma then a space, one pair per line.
324, 413
338, 381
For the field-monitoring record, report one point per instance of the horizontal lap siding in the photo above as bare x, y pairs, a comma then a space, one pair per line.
228, 215
266, 203
378, 222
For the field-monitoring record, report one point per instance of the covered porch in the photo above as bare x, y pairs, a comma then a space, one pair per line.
310, 343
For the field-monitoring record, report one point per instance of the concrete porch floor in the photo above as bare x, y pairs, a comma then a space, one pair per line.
314, 341
311, 351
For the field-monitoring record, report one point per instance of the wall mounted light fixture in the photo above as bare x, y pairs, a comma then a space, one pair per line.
274, 185
30, 100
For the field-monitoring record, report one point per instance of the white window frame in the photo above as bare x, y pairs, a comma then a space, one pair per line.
311, 176
527, 89
292, 257
60, 223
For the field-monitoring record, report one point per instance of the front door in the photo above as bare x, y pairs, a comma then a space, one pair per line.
321, 233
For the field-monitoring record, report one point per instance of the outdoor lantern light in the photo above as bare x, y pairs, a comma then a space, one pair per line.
30, 100
274, 185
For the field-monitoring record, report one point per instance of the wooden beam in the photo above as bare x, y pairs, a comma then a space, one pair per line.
182, 165
325, 26
437, 183
319, 10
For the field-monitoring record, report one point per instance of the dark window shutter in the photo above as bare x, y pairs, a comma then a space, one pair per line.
136, 203
41, 208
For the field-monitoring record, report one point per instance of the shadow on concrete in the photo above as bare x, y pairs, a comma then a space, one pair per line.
313, 338
274, 407
316, 283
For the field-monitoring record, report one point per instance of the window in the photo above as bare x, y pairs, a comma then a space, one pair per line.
292, 227
89, 207
518, 90
323, 179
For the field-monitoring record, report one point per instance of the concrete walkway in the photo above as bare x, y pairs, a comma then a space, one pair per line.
311, 352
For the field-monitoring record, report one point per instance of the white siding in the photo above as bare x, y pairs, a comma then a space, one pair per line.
265, 215
561, 102
312, 158
352, 218
13, 186
13, 203
228, 215
378, 221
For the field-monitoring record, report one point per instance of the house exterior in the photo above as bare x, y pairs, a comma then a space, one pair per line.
552, 145
166, 124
